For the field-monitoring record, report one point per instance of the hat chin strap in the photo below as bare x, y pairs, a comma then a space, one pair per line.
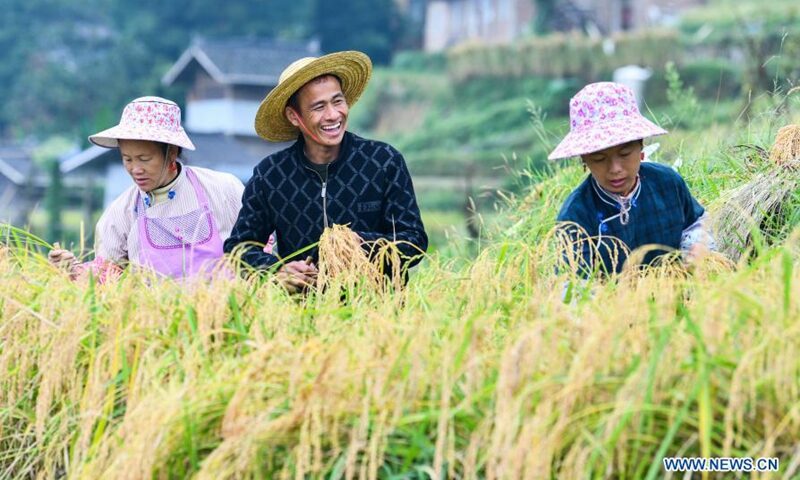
164, 169
303, 126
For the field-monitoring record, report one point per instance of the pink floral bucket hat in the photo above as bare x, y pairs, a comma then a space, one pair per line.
602, 115
147, 118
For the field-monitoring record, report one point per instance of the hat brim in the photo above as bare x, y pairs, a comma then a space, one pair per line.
352, 68
109, 138
605, 135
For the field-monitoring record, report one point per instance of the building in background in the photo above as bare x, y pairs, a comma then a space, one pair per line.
227, 80
24, 183
17, 194
622, 15
452, 22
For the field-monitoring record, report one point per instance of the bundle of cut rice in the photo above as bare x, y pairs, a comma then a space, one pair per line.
759, 204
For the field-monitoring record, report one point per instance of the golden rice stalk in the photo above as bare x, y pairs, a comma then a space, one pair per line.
344, 261
570, 242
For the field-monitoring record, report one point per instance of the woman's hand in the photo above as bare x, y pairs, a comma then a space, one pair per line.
63, 259
696, 253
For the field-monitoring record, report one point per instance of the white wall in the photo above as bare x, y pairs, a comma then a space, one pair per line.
233, 117
117, 181
448, 23
437, 26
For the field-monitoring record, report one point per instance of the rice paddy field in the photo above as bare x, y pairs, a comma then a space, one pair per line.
489, 366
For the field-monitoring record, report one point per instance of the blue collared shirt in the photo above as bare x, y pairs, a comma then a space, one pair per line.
658, 216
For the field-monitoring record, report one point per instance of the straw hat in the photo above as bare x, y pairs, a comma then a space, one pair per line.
353, 69
146, 118
602, 115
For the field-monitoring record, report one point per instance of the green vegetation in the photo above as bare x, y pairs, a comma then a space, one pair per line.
466, 113
446, 129
561, 55
468, 109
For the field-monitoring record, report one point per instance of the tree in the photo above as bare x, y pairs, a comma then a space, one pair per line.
71, 65
46, 157
545, 11
370, 26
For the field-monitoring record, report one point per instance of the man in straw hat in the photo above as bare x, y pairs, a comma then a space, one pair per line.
328, 176
624, 203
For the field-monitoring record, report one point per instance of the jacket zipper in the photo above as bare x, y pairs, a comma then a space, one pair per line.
324, 202
324, 195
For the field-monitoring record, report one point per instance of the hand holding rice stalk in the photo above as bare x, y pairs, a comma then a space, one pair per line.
759, 205
298, 276
345, 262
63, 259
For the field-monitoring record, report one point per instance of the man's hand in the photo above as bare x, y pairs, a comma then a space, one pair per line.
298, 275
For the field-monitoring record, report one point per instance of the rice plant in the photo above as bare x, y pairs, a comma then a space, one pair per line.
503, 367
480, 372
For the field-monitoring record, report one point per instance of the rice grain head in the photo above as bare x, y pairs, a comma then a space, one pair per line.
344, 262
786, 149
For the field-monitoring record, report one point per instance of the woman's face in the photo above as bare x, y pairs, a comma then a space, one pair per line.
144, 161
615, 168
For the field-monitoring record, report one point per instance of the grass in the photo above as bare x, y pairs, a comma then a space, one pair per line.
443, 127
448, 236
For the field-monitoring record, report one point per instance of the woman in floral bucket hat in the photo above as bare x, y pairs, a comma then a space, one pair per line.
623, 200
174, 218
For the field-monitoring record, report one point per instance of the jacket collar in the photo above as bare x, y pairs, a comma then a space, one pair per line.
344, 150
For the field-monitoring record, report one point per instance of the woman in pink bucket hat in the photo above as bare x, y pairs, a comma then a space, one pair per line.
174, 219
623, 199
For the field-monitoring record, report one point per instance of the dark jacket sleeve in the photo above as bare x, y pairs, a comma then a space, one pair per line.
692, 210
402, 221
576, 237
577, 252
254, 224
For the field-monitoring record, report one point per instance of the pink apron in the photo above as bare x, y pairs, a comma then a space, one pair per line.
180, 246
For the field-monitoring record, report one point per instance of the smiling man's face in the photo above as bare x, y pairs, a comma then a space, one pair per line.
323, 112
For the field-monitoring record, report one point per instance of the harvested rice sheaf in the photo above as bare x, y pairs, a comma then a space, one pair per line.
759, 204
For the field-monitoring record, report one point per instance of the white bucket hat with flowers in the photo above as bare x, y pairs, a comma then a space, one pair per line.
146, 118
603, 115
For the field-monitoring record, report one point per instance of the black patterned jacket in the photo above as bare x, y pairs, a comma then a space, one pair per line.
368, 188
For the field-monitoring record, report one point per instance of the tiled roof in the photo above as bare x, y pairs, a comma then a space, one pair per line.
227, 153
16, 163
241, 61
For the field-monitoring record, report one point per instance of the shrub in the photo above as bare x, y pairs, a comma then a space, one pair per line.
712, 78
419, 61
562, 55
